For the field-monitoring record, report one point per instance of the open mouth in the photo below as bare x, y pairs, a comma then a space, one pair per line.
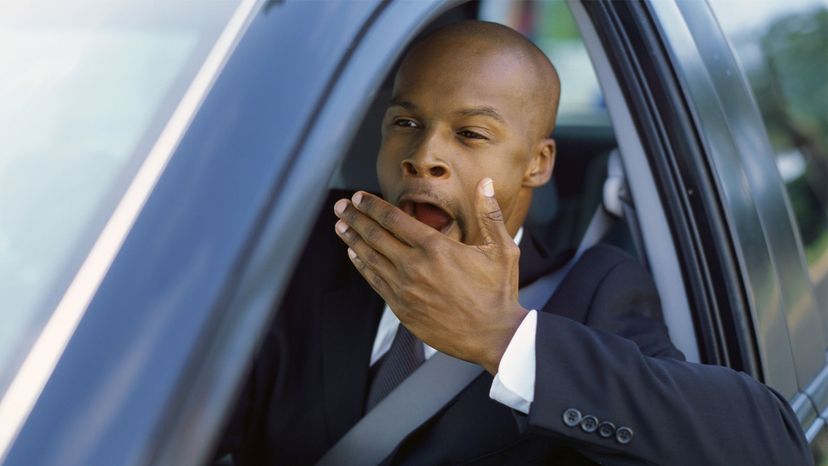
428, 213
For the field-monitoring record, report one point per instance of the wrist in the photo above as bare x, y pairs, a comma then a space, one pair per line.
501, 337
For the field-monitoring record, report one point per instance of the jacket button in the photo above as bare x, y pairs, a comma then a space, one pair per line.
623, 435
589, 423
571, 417
606, 429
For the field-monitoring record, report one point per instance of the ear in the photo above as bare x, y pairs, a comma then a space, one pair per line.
540, 166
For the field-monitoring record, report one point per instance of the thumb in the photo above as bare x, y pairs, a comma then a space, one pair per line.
489, 215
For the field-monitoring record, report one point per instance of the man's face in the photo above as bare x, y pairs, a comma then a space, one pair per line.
456, 117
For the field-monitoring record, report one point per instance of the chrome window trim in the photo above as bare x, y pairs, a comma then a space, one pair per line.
40, 362
805, 412
816, 427
817, 390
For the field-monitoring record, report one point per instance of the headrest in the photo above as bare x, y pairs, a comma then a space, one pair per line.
614, 185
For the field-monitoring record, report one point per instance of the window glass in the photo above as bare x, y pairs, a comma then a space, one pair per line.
783, 48
86, 88
549, 24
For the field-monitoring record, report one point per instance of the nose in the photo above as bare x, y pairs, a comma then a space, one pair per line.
426, 161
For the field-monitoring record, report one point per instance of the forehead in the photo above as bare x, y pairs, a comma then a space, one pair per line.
465, 77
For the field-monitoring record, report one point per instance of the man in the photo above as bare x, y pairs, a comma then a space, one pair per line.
465, 141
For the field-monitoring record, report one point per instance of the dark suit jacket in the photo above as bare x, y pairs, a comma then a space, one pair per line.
601, 349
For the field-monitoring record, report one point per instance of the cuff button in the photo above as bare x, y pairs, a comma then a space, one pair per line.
572, 417
623, 435
606, 429
589, 423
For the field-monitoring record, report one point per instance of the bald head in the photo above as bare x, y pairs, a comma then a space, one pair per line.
463, 46
470, 101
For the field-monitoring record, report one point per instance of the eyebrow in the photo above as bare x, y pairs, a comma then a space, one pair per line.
483, 110
396, 101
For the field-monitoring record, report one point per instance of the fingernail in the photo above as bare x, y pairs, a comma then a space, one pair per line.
488, 187
341, 227
351, 253
357, 197
340, 205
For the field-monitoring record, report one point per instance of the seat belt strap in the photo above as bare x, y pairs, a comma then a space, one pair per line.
407, 407
418, 397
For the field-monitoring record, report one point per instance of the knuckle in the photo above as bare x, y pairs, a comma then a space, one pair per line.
376, 281
371, 232
431, 242
414, 272
512, 251
389, 217
495, 215
372, 257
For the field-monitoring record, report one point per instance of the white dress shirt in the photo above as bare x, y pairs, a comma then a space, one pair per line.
514, 383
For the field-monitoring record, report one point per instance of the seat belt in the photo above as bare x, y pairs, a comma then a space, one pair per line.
418, 397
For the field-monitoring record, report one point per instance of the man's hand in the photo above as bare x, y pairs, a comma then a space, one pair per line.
462, 300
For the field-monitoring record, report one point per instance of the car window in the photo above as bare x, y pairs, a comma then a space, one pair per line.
98, 80
549, 24
783, 50
561, 210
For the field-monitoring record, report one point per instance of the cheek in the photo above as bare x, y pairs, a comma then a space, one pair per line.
387, 171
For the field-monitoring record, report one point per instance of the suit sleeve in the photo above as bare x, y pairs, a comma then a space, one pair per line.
619, 392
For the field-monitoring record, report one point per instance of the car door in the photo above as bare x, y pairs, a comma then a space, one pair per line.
748, 283
153, 359
781, 50
745, 166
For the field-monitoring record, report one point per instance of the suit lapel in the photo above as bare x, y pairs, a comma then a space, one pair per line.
349, 324
535, 260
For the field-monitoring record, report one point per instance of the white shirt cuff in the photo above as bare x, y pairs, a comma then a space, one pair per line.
514, 383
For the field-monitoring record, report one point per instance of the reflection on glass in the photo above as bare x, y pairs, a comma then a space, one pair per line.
783, 48
86, 88
549, 24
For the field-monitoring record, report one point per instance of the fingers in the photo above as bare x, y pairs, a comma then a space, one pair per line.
489, 215
363, 250
367, 229
377, 282
392, 219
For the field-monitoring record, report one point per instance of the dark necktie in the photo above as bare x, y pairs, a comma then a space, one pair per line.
404, 356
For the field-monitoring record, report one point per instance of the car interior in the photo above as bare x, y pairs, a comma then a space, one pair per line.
586, 141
